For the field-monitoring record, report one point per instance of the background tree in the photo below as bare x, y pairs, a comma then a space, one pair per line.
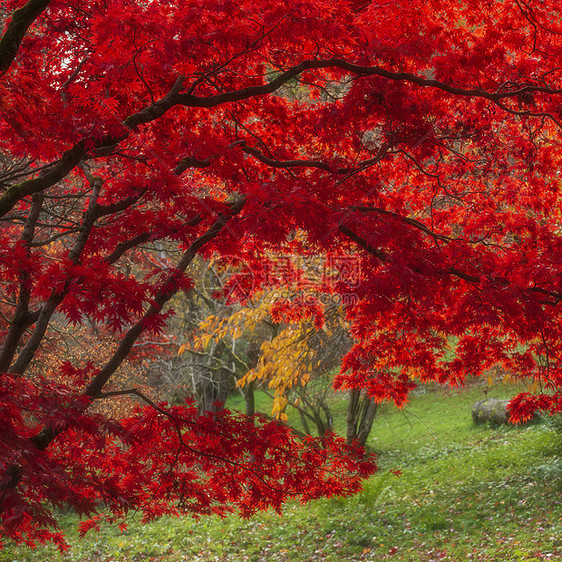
199, 364
432, 160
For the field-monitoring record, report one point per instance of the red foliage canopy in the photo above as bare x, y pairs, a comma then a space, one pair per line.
418, 141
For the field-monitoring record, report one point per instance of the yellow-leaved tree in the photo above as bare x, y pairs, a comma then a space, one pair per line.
287, 346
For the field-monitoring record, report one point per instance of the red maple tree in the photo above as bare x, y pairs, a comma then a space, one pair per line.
417, 139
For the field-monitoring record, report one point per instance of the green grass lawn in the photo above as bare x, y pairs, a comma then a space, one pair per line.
465, 493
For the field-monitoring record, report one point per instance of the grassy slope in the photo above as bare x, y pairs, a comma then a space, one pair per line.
466, 493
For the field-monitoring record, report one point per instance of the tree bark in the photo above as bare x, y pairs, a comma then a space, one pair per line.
360, 416
22, 19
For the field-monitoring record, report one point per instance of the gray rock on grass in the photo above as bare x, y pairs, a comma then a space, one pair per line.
491, 410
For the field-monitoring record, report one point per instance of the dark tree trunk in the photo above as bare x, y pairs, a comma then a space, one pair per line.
360, 416
249, 399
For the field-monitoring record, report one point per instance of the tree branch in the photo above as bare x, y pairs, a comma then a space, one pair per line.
359, 70
48, 309
174, 97
476, 280
21, 316
22, 19
169, 289
59, 169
